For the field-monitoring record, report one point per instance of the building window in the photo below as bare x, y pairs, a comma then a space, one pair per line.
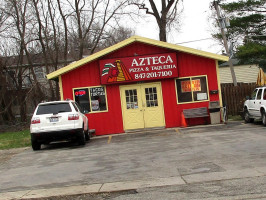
192, 89
131, 99
92, 99
151, 97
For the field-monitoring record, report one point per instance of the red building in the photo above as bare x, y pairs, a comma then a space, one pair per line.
141, 83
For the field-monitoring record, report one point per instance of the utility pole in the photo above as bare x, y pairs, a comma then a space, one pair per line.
221, 20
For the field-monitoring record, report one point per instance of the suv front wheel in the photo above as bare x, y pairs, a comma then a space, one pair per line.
263, 116
247, 118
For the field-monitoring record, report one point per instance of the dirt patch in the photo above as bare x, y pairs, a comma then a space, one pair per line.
6, 155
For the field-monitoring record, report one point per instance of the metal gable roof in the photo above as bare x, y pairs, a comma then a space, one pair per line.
128, 41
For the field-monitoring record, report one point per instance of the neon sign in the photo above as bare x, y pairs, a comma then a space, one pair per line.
80, 93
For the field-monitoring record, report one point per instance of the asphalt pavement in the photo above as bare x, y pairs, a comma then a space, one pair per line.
148, 161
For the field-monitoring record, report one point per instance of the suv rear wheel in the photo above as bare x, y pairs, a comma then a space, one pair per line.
35, 145
81, 137
87, 135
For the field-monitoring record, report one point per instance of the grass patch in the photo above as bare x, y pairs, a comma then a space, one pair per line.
235, 118
10, 140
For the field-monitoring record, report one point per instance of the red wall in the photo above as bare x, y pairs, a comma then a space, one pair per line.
111, 122
88, 75
188, 65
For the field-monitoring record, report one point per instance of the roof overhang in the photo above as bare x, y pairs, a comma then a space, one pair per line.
128, 41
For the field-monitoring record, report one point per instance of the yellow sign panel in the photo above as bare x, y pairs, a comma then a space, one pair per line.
186, 86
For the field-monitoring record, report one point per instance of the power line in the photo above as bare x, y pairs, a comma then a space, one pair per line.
194, 41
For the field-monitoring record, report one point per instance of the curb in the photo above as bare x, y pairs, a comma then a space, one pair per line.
162, 129
134, 185
94, 188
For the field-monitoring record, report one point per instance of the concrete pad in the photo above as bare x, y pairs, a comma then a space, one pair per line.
13, 195
239, 197
70, 190
131, 185
261, 169
217, 176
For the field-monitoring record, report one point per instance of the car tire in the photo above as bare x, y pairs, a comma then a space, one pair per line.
81, 137
35, 145
87, 135
247, 118
263, 116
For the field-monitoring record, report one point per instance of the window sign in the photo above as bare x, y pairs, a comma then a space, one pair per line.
196, 85
186, 85
98, 100
202, 96
192, 89
95, 105
91, 99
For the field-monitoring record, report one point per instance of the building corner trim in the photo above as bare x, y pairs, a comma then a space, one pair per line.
61, 88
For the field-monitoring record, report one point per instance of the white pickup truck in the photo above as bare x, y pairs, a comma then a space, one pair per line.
255, 106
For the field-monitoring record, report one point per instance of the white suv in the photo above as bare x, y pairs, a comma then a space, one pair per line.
255, 106
56, 121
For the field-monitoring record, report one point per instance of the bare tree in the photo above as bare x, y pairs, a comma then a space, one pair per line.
167, 17
6, 113
19, 23
114, 36
42, 36
64, 18
55, 32
90, 19
5, 104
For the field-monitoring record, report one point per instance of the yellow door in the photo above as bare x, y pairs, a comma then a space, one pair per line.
153, 105
132, 107
142, 106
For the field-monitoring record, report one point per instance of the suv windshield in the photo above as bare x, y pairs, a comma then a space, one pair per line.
53, 108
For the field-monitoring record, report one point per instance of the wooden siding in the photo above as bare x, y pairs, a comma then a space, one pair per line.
111, 122
188, 65
105, 122
244, 74
234, 96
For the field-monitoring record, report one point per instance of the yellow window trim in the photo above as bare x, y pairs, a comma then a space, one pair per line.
190, 77
61, 88
219, 84
89, 97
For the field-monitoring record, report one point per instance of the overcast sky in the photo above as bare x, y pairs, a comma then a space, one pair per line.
195, 26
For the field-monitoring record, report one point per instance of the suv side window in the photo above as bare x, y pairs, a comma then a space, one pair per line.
74, 105
78, 106
253, 95
264, 94
259, 94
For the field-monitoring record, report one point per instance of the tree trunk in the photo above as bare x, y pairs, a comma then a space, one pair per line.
162, 34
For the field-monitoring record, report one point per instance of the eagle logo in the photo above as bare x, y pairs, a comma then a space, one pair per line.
116, 71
